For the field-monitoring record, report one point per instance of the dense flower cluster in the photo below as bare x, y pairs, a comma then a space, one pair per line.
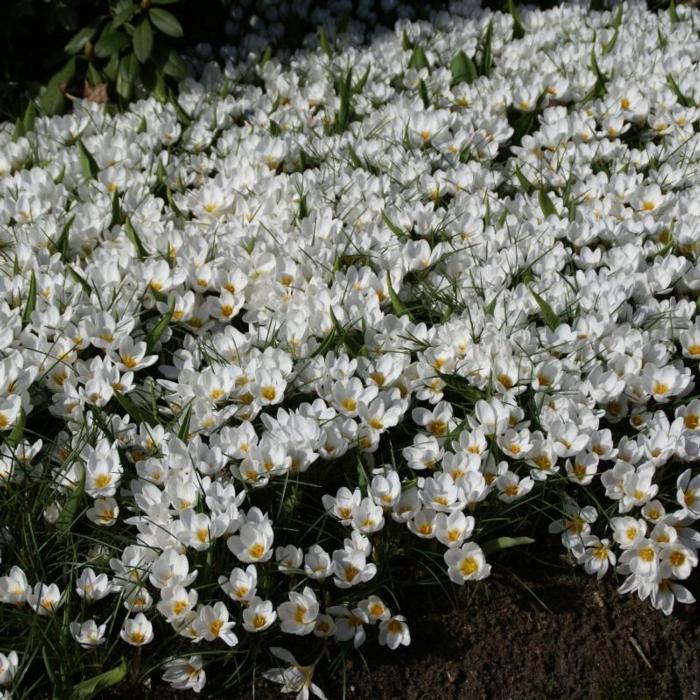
314, 310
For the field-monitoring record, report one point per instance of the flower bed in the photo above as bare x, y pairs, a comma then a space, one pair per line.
275, 350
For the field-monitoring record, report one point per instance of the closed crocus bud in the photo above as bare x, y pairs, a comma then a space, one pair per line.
8, 667
14, 588
52, 513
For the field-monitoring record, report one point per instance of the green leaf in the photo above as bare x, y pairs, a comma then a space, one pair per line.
17, 432
174, 66
418, 59
396, 230
28, 118
182, 116
613, 40
160, 91
491, 306
617, 20
546, 204
325, 344
134, 411
59, 178
143, 41
90, 687
166, 22
518, 29
110, 42
116, 210
87, 162
94, 77
307, 161
31, 301
18, 131
184, 430
323, 41
303, 208
342, 118
683, 99
25, 123
79, 40
499, 543
461, 386
463, 69
266, 56
486, 62
673, 12
79, 279
524, 182
110, 70
124, 15
171, 203
359, 86
134, 238
661, 39
154, 334
406, 43
396, 305
52, 100
354, 158
347, 336
600, 78
522, 123
362, 480
125, 76
62, 241
48, 665
423, 92
68, 513
550, 318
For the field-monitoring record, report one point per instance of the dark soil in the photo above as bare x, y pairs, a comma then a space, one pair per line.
593, 644
554, 634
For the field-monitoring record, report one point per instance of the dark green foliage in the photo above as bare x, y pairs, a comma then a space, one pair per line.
56, 50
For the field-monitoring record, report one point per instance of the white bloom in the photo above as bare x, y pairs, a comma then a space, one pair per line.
88, 634
14, 587
394, 632
258, 615
137, 630
466, 563
92, 587
213, 623
8, 667
185, 674
45, 599
298, 615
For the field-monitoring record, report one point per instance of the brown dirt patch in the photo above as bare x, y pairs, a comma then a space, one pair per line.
593, 644
588, 643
